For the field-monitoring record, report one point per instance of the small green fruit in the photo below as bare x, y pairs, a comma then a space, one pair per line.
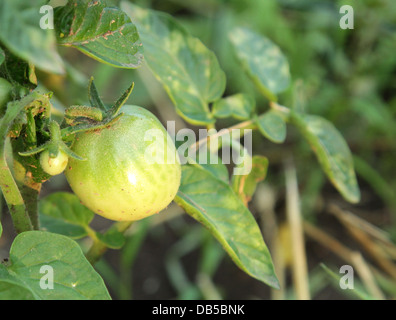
53, 166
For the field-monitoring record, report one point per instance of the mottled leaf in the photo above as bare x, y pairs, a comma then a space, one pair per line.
104, 33
332, 152
262, 60
240, 106
213, 203
73, 276
20, 32
189, 72
272, 126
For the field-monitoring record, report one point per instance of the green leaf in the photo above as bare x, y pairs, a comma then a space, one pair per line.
272, 126
12, 288
240, 106
262, 60
1, 229
2, 56
211, 163
73, 276
62, 213
113, 239
19, 72
332, 152
189, 72
20, 32
245, 185
213, 203
104, 33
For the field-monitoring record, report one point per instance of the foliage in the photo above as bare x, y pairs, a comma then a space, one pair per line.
282, 75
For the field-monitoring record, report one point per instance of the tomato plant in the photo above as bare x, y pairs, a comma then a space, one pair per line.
120, 161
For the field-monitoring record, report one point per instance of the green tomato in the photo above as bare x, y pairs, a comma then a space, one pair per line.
53, 166
123, 178
5, 91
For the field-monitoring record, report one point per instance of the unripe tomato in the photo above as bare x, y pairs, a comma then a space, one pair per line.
53, 166
119, 179
5, 91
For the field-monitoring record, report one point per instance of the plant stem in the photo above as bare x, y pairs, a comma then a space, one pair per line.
98, 248
8, 185
13, 198
30, 196
249, 124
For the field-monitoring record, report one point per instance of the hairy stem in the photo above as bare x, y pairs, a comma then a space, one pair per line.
8, 185
30, 196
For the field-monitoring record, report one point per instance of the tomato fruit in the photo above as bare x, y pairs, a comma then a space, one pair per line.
119, 179
53, 166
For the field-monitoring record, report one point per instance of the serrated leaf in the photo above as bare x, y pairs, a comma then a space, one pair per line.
245, 185
240, 106
104, 33
62, 213
189, 72
20, 32
272, 126
73, 276
213, 203
331, 151
262, 60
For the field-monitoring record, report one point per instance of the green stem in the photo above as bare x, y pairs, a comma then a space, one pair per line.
30, 196
248, 124
8, 185
98, 248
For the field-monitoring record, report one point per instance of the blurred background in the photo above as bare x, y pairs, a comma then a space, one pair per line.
346, 76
